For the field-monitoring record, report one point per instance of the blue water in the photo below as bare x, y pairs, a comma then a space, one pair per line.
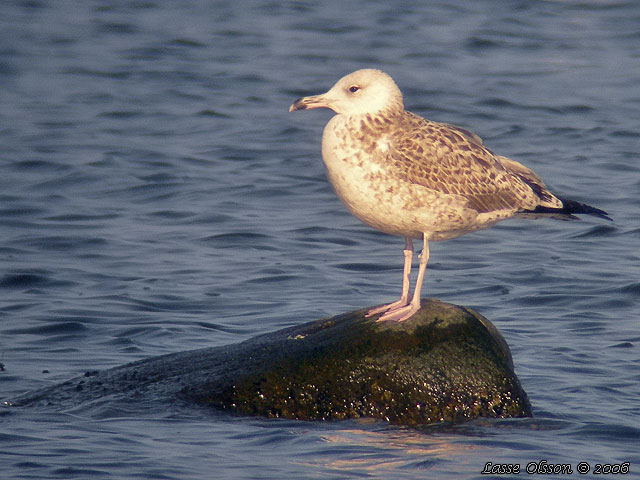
156, 196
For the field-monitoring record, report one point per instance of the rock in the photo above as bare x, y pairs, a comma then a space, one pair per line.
447, 363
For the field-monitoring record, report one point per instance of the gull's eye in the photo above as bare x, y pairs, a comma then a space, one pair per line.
354, 88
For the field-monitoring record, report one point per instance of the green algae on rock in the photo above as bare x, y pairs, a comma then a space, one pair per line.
446, 363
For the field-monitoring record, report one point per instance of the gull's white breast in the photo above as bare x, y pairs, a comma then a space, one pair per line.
359, 170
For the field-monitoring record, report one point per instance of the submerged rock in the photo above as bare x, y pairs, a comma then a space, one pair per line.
447, 363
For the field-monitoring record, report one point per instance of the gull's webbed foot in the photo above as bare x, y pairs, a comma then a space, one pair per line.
398, 313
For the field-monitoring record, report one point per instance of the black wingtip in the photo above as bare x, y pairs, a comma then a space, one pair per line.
569, 209
582, 208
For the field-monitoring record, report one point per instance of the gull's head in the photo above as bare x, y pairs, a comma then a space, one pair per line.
361, 92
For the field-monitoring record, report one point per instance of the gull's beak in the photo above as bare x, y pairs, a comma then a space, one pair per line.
306, 103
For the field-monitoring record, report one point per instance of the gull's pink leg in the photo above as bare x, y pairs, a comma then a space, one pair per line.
404, 313
406, 277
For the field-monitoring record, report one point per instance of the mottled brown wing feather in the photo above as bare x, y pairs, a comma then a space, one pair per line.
547, 198
451, 160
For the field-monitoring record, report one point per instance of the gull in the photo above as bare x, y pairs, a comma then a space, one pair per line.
408, 176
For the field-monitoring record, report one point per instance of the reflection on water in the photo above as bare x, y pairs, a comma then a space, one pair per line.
386, 453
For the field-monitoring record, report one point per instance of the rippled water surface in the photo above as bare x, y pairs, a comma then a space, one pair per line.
157, 197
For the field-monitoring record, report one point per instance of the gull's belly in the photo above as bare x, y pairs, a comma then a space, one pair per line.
367, 194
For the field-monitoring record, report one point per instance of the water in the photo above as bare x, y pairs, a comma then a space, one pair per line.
157, 197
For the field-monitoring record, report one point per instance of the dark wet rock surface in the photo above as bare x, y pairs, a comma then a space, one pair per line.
447, 363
